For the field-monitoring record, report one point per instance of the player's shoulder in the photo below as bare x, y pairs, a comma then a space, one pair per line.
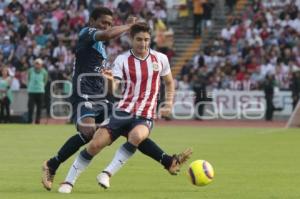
83, 31
160, 56
123, 56
86, 32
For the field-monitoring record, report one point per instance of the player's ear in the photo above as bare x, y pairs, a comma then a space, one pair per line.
91, 21
131, 36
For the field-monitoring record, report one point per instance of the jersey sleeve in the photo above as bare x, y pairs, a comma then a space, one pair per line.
165, 65
87, 36
118, 67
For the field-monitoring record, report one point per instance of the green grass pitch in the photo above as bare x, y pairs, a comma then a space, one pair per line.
249, 164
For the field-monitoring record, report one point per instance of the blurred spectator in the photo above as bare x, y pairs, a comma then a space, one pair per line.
227, 33
267, 68
269, 86
7, 48
199, 60
37, 79
83, 13
124, 9
186, 70
240, 76
282, 76
23, 28
15, 7
198, 16
150, 5
113, 49
111, 5
256, 5
3, 5
59, 50
160, 13
137, 6
183, 13
94, 4
256, 78
34, 8
184, 84
230, 4
37, 27
5, 95
208, 6
199, 84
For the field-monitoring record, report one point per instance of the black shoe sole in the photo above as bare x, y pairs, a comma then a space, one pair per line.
103, 186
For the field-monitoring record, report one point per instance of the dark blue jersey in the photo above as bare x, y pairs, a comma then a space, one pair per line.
90, 59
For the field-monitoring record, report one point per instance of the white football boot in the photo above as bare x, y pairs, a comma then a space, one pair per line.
65, 187
103, 179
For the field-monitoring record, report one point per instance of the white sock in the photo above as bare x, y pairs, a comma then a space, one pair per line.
76, 169
120, 158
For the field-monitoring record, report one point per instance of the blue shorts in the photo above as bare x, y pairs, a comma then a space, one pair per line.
99, 110
121, 123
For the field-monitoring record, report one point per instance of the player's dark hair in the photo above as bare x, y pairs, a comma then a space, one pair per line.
98, 12
139, 27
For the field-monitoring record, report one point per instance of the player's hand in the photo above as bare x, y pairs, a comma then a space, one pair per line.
166, 111
107, 73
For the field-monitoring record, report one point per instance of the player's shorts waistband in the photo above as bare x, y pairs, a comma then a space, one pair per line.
133, 115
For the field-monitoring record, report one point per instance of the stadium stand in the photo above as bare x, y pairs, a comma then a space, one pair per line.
240, 43
260, 41
263, 40
48, 29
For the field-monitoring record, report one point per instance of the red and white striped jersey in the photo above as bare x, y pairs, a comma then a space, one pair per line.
141, 81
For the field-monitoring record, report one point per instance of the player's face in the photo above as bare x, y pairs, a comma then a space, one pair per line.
104, 22
141, 43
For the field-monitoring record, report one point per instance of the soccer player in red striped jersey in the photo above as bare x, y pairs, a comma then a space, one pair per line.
142, 80
138, 71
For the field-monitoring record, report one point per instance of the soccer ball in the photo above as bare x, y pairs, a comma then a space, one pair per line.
200, 173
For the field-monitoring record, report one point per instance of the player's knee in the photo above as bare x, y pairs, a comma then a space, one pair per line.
87, 132
137, 137
87, 127
95, 146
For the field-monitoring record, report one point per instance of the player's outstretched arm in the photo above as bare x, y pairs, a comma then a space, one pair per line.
111, 33
115, 31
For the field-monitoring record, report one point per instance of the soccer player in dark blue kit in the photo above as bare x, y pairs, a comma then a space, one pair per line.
90, 103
